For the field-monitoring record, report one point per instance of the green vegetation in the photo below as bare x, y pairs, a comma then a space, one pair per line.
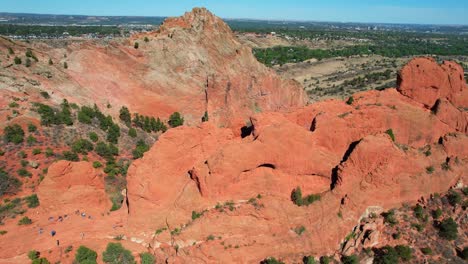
296, 197
13, 134
8, 184
149, 124
49, 152
390, 255
454, 197
196, 214
464, 253
82, 146
13, 104
116, 254
45, 94
325, 260
51, 116
390, 133
31, 140
10, 51
32, 201
136, 45
352, 259
448, 229
436, 214
33, 254
132, 132
107, 151
350, 100
125, 116
140, 149
97, 164
404, 252
65, 65
28, 62
24, 173
93, 136
430, 170
38, 30
87, 114
147, 258
419, 213
299, 230
17, 60
40, 261
70, 156
176, 120
389, 218
3, 232
309, 260
271, 260
36, 151
85, 255
32, 128
205, 117
25, 221
51, 62
426, 251
30, 54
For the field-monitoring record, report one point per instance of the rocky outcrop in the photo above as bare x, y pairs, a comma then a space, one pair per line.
371, 154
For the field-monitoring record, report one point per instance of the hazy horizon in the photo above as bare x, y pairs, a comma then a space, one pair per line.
429, 12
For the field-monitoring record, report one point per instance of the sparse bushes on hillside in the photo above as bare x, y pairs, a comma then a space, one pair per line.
106, 151
85, 255
49, 152
45, 94
93, 136
132, 132
51, 116
389, 218
454, 197
352, 259
32, 128
24, 173
390, 133
116, 254
17, 60
97, 164
14, 134
271, 261
176, 120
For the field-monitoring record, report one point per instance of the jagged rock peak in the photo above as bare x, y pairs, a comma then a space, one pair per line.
199, 19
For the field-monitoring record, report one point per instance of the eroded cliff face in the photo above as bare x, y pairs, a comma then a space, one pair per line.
343, 152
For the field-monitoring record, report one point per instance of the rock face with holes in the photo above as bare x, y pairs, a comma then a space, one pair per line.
385, 149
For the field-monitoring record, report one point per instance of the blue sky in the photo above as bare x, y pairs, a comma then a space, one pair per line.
389, 11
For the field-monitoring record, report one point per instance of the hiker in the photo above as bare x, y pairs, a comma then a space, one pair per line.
60, 218
83, 214
40, 230
52, 233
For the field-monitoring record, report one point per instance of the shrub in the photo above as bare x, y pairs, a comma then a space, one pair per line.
176, 120
271, 261
45, 94
85, 255
8, 184
22, 155
352, 259
51, 62
385, 255
70, 156
437, 213
389, 217
429, 170
28, 62
125, 116
40, 261
136, 45
36, 151
390, 133
24, 163
404, 252
419, 213
32, 201
68, 249
448, 229
454, 198
296, 197
33, 254
308, 260
140, 149
205, 117
299, 230
10, 51
116, 254
2, 152
147, 258
65, 65
93, 136
350, 101
82, 146
13, 134
324, 260
146, 39
31, 140
464, 253
49, 152
32, 128
97, 164
113, 133
17, 60
426, 251
13, 105
3, 232
25, 221
106, 151
24, 173
196, 215
132, 132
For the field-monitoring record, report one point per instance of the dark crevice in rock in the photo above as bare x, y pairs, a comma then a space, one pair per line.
246, 131
313, 126
334, 175
267, 165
